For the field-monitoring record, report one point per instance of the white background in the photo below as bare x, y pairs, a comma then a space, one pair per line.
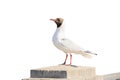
26, 34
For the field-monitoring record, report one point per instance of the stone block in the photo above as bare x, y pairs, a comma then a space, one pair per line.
62, 71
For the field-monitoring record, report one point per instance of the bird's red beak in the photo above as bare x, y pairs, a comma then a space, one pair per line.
52, 19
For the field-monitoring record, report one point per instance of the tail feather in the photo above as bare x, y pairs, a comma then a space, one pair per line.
86, 54
90, 52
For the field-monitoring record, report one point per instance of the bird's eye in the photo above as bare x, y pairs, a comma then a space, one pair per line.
58, 19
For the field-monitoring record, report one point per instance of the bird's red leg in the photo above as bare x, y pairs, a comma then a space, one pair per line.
65, 59
70, 59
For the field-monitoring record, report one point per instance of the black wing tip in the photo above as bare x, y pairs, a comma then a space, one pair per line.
91, 52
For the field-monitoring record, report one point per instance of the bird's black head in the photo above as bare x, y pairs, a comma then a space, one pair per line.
58, 21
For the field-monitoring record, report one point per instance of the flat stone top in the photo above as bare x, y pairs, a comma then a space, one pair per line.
64, 67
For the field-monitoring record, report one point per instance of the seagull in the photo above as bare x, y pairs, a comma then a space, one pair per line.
66, 45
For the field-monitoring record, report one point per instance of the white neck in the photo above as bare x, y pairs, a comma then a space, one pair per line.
59, 33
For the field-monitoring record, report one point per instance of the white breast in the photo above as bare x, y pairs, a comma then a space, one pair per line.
58, 35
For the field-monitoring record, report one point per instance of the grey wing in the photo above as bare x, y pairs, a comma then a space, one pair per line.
74, 48
68, 44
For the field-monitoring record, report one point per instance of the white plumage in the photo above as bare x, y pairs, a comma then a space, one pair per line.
67, 45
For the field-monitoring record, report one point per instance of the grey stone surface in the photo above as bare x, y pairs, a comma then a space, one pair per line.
113, 76
44, 79
48, 74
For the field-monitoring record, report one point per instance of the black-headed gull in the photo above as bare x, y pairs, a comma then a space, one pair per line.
65, 44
